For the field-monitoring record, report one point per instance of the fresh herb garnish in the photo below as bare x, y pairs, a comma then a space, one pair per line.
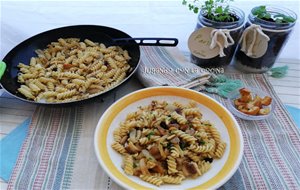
182, 145
201, 142
150, 134
262, 13
281, 18
169, 145
217, 10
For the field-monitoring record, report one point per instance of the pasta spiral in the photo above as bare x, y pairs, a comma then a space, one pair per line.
201, 148
220, 150
172, 180
144, 140
128, 164
193, 156
151, 179
175, 152
192, 111
215, 134
118, 147
203, 167
186, 137
171, 165
179, 118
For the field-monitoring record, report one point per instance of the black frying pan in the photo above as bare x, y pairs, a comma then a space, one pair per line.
109, 36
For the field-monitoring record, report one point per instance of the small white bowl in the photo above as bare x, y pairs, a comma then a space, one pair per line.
254, 91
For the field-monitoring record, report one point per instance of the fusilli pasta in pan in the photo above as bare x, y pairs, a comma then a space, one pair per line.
69, 70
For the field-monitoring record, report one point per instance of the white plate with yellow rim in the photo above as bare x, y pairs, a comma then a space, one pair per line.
221, 170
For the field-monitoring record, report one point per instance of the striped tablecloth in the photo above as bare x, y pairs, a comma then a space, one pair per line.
58, 151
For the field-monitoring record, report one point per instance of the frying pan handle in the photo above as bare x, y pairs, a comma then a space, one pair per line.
147, 41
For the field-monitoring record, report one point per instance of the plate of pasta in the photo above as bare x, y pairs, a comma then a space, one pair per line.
168, 138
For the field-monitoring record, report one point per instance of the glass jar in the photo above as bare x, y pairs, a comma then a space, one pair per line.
278, 34
235, 29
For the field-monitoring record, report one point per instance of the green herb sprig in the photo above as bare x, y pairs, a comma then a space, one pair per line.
150, 134
262, 13
217, 10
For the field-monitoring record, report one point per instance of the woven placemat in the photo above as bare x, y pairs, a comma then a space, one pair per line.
46, 159
272, 146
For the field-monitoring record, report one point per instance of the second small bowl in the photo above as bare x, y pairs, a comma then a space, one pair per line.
254, 91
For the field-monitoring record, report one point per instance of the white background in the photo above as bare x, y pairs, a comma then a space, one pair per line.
158, 18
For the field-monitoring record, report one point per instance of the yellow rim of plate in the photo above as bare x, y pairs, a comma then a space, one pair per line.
231, 163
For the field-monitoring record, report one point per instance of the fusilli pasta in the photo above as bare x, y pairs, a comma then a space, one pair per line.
165, 143
85, 68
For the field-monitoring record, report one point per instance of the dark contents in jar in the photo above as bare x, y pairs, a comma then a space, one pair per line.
264, 63
220, 61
